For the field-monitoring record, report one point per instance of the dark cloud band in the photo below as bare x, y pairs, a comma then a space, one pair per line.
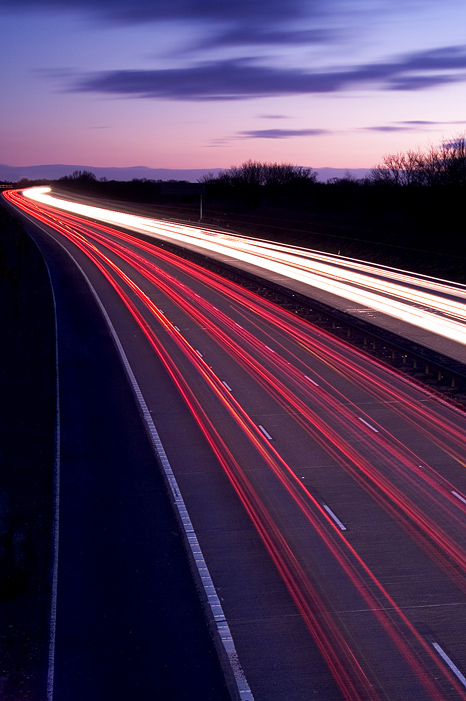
153, 10
280, 133
244, 79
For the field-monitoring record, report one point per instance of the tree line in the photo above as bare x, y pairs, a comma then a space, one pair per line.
255, 173
406, 206
253, 183
438, 165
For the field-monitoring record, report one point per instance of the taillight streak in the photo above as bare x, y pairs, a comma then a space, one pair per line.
326, 634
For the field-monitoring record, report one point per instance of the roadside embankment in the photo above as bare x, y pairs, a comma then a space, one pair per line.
27, 412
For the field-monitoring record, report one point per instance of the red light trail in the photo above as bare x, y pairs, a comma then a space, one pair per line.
295, 365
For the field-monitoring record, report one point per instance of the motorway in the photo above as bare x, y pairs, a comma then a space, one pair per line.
426, 310
326, 492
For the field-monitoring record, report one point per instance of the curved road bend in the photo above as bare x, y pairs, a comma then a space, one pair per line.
422, 309
129, 622
353, 479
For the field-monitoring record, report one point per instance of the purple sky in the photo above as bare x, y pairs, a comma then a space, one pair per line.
211, 83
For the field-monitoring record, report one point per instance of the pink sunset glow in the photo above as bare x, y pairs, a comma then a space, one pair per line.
199, 85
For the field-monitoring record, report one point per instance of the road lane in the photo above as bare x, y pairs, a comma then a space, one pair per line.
428, 310
129, 623
357, 594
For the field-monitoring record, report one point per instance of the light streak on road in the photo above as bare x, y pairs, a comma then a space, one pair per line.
278, 352
433, 305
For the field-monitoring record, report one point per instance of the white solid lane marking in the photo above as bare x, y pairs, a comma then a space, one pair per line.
458, 496
270, 349
367, 424
311, 380
227, 386
221, 623
266, 433
199, 353
56, 512
451, 664
176, 327
216, 608
335, 518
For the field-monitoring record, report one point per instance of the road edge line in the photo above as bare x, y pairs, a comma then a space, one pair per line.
56, 505
234, 669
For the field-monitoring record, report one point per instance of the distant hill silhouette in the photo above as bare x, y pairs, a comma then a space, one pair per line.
325, 174
53, 172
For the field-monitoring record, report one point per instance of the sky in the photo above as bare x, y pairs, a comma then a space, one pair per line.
213, 83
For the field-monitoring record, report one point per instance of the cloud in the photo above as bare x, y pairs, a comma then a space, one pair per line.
410, 125
422, 122
445, 58
214, 80
387, 128
421, 82
214, 24
280, 133
273, 116
419, 122
251, 35
245, 78
155, 10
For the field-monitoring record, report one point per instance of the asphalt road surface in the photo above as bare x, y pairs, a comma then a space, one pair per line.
128, 621
327, 493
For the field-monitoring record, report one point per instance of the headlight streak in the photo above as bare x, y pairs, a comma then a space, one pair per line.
353, 285
275, 543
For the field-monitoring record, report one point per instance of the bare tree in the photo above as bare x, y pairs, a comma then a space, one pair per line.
255, 173
439, 165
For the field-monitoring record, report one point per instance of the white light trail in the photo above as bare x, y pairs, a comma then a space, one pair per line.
433, 305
